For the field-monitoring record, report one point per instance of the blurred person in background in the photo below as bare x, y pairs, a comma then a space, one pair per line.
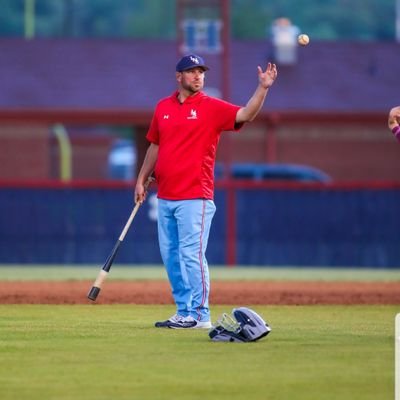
284, 39
183, 135
394, 121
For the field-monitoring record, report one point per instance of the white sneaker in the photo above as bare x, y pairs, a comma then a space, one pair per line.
203, 325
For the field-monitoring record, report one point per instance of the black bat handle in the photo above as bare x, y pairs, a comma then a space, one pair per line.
111, 257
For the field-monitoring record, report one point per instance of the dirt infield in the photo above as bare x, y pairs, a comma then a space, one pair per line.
244, 293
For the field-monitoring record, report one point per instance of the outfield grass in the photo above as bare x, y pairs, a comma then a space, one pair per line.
150, 272
113, 352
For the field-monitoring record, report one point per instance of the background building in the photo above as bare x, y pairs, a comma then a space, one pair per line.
75, 107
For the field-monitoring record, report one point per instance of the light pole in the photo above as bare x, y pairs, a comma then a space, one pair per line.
398, 21
29, 19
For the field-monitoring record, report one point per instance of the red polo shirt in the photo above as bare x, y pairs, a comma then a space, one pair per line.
187, 135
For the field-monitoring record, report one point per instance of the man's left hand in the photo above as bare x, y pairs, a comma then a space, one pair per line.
267, 77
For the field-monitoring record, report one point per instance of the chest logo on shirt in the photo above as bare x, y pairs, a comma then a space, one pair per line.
193, 114
166, 116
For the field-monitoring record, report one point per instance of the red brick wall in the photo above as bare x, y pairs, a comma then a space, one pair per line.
344, 152
89, 157
24, 152
32, 153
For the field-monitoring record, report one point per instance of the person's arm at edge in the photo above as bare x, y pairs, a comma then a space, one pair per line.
253, 106
394, 117
394, 121
145, 171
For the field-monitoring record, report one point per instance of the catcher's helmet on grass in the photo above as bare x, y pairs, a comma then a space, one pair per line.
245, 325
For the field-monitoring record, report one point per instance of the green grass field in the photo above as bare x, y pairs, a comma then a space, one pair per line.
9, 272
113, 351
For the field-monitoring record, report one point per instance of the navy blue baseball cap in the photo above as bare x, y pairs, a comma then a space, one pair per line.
191, 61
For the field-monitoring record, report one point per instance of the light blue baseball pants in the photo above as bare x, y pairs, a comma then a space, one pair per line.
183, 230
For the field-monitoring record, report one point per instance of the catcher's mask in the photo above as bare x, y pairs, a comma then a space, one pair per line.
244, 325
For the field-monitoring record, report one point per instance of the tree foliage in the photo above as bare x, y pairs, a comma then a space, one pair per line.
156, 19
321, 19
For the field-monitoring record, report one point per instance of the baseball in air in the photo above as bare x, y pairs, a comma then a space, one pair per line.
303, 39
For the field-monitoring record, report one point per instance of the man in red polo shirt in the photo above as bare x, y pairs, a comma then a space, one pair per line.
183, 136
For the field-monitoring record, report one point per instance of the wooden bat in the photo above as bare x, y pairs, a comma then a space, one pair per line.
98, 283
